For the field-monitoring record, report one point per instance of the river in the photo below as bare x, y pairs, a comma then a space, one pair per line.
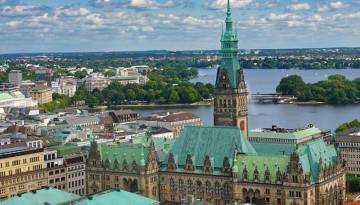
283, 115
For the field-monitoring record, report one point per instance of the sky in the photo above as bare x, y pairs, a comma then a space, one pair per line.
132, 25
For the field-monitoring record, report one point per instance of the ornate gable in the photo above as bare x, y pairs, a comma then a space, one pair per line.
171, 163
207, 168
189, 166
226, 169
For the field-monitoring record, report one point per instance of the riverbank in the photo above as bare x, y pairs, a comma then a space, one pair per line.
310, 103
160, 106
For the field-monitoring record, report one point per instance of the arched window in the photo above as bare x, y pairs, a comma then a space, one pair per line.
190, 185
181, 185
226, 189
208, 187
217, 188
172, 185
199, 186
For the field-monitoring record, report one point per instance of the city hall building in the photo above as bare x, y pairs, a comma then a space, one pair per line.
226, 163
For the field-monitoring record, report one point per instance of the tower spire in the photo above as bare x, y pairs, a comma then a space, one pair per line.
228, 8
230, 82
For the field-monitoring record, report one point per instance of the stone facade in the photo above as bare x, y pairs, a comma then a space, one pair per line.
192, 171
121, 168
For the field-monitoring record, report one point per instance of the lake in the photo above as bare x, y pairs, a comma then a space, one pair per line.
283, 115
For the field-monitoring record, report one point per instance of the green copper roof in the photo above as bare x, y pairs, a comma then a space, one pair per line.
51, 196
118, 198
287, 135
5, 96
128, 152
311, 153
67, 149
215, 142
262, 163
273, 148
160, 144
229, 51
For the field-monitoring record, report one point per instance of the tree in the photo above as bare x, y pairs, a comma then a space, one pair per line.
92, 101
335, 90
292, 85
81, 94
174, 97
3, 77
130, 95
348, 125
109, 73
189, 95
81, 74
56, 96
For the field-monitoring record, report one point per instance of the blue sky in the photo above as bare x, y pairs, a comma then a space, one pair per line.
127, 25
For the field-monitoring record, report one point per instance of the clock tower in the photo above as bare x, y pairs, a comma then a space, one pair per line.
230, 101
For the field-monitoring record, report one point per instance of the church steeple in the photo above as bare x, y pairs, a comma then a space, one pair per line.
230, 106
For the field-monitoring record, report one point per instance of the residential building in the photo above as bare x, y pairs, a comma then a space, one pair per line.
143, 69
348, 142
15, 77
43, 74
115, 117
132, 75
26, 87
75, 171
162, 133
6, 87
41, 93
68, 86
95, 83
68, 89
22, 167
56, 169
174, 121
124, 80
55, 87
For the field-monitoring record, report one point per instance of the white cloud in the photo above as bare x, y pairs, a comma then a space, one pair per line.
143, 4
338, 5
284, 17
221, 4
135, 4
299, 7
20, 10
315, 18
323, 9
13, 24
95, 19
72, 12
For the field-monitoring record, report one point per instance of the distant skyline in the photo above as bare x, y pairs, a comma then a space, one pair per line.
132, 25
